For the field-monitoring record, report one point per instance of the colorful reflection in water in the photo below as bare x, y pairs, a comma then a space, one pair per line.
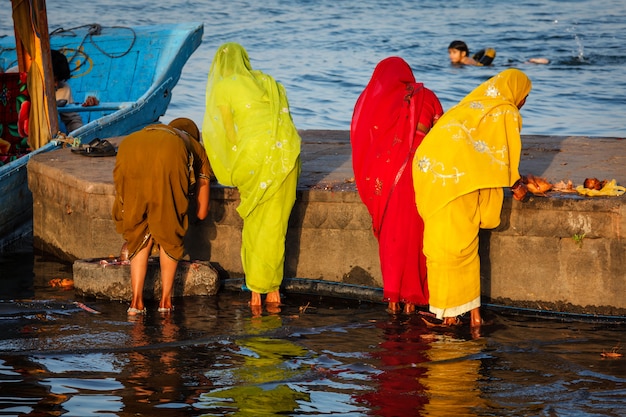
211, 357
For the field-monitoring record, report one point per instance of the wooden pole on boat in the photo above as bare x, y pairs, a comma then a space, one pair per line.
32, 43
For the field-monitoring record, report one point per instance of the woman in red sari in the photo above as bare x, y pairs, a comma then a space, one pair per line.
391, 117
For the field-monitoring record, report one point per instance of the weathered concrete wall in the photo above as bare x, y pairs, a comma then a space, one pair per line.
72, 200
329, 237
560, 252
552, 252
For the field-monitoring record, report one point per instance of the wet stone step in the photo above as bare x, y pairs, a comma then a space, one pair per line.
110, 279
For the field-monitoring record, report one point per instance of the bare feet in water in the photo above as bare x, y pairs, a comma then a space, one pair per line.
476, 319
255, 299
273, 297
272, 303
409, 308
394, 307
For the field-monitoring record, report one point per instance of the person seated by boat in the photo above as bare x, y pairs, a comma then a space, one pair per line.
14, 105
63, 91
157, 171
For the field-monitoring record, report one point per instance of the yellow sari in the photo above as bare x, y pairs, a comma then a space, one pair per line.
458, 174
253, 145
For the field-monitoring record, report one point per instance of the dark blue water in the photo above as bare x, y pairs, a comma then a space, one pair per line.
324, 51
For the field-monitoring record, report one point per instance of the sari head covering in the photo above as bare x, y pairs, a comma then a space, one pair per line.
186, 125
248, 132
384, 131
475, 145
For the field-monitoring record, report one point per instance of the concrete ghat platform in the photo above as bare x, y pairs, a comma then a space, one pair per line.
562, 252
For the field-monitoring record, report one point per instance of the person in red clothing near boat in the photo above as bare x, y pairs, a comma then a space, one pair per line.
390, 119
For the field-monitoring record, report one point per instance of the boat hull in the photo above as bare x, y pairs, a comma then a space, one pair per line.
132, 71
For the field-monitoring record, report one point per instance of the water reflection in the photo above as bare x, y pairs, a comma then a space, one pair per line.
399, 389
154, 374
453, 377
37, 390
262, 383
212, 357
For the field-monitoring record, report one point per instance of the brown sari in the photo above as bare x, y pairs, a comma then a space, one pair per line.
153, 181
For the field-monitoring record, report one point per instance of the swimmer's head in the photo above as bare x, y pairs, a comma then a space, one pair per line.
457, 50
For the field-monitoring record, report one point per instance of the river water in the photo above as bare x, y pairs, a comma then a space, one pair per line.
322, 356
324, 51
318, 357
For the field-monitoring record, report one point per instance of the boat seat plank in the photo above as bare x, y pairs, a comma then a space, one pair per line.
77, 108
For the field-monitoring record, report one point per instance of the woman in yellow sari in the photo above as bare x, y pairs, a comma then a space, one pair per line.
253, 145
458, 173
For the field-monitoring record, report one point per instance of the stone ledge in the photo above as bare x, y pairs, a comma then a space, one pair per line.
112, 281
562, 249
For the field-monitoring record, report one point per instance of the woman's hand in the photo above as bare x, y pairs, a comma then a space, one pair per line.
520, 190
91, 101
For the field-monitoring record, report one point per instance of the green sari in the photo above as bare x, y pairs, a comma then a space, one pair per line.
253, 145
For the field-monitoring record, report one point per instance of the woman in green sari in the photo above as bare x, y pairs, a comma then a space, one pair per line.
253, 145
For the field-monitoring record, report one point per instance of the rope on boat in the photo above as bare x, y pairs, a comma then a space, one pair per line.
67, 139
94, 30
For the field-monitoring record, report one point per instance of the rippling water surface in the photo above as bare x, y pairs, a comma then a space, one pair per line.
324, 51
318, 357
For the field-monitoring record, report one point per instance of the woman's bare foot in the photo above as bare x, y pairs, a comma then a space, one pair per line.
409, 308
165, 306
394, 307
273, 297
133, 311
166, 310
255, 299
451, 321
476, 319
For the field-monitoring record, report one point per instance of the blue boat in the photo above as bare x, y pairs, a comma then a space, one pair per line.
131, 70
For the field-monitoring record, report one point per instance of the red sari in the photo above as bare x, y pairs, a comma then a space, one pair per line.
384, 135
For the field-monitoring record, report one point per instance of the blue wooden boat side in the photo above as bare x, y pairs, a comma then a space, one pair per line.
16, 200
132, 71
131, 99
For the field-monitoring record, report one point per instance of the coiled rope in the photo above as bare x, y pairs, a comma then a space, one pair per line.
93, 31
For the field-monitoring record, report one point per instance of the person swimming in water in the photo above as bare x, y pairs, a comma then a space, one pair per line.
460, 55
